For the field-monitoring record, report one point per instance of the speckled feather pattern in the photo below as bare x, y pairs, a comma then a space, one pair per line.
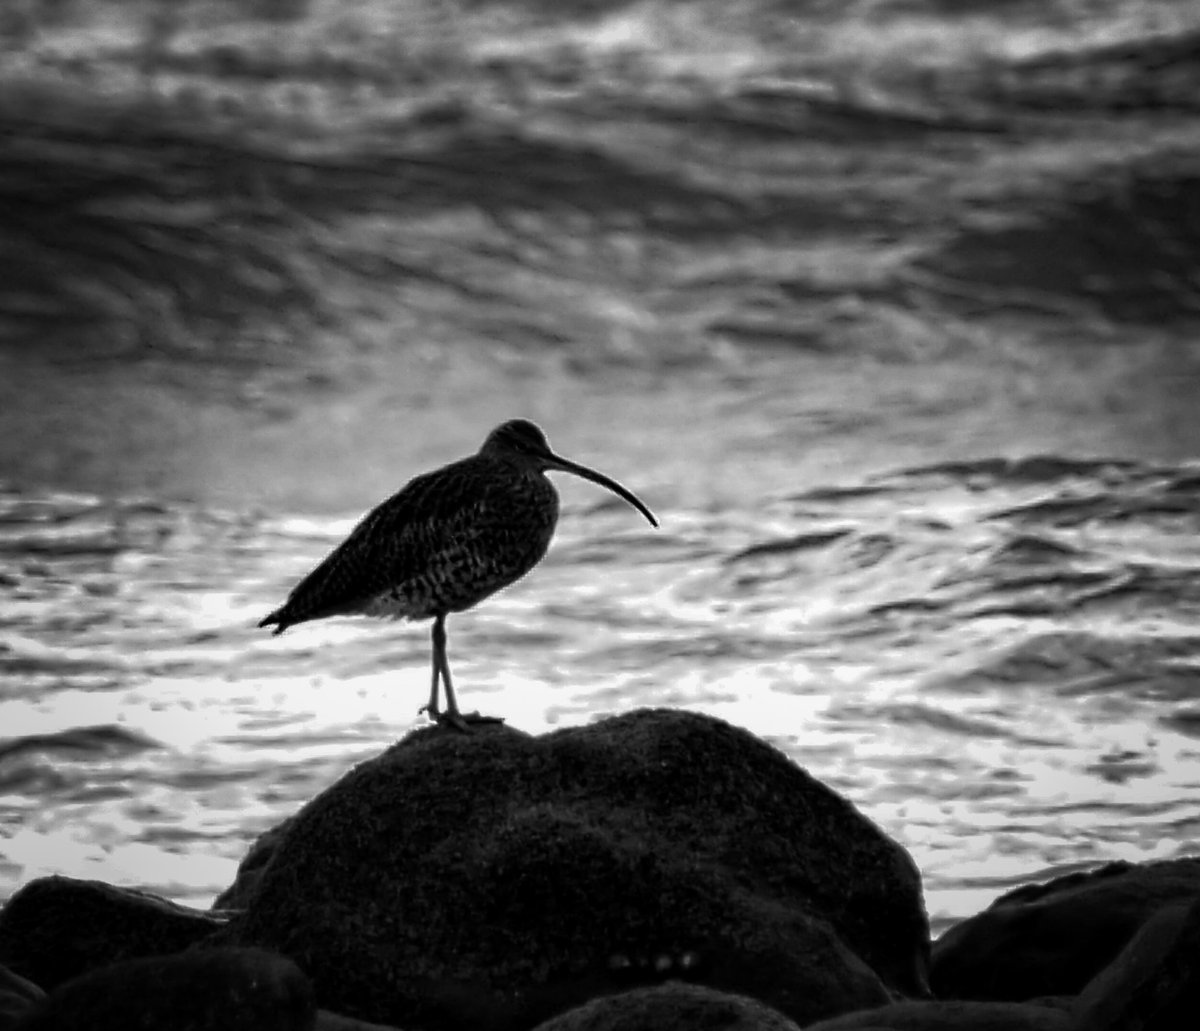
443, 543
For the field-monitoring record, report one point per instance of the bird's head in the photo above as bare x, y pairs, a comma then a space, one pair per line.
521, 440
517, 437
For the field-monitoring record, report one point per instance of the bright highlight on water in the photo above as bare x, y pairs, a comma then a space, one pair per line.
444, 542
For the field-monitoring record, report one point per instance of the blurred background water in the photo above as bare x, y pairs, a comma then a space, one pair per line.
888, 309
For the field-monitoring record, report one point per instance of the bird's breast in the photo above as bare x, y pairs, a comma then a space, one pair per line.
506, 535
486, 545
513, 527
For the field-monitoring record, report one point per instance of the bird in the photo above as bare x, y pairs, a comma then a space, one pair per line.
443, 543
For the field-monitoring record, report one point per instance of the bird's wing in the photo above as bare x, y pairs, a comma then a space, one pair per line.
396, 541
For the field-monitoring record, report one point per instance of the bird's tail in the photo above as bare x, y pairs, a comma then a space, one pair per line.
275, 619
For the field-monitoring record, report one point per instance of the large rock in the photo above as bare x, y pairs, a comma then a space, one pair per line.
1154, 984
55, 928
1053, 938
250, 869
327, 1021
671, 1007
214, 990
495, 879
954, 1015
17, 997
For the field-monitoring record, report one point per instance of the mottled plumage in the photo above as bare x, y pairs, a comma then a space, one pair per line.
444, 542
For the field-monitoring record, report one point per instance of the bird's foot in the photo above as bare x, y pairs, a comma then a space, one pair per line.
464, 721
460, 721
477, 717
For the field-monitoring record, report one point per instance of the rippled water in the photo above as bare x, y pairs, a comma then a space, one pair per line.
908, 372
996, 659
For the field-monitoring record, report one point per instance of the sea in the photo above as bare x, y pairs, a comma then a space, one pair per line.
897, 331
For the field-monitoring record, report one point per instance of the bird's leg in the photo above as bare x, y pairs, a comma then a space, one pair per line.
441, 665
439, 636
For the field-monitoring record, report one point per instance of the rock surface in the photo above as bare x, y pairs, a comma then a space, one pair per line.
954, 1015
496, 879
1154, 984
250, 869
671, 1007
327, 1021
17, 996
213, 990
1053, 938
56, 928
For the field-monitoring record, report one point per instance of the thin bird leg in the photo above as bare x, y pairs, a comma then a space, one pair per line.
458, 720
443, 664
441, 670
439, 635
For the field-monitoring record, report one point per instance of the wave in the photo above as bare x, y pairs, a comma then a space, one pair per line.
1117, 243
803, 205
1076, 574
107, 740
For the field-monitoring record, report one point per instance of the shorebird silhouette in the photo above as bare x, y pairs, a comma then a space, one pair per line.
444, 542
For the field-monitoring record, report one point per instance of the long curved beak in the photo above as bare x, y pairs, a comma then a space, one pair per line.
553, 461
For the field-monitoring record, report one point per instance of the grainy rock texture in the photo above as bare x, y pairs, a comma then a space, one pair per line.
213, 990
17, 997
1053, 938
327, 1021
56, 928
250, 869
671, 1007
1154, 984
494, 879
955, 1015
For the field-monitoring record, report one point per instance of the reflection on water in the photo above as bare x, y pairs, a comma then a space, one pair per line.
817, 304
996, 660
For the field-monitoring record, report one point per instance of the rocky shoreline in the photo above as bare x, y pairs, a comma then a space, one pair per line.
657, 869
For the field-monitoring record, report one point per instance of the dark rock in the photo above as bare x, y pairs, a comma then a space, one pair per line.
250, 869
494, 879
215, 990
327, 1021
17, 996
953, 1015
55, 928
666, 1007
1052, 939
1154, 984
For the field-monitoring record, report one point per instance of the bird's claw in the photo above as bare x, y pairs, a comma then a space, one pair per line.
475, 717
460, 721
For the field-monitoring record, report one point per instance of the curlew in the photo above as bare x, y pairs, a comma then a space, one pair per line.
443, 543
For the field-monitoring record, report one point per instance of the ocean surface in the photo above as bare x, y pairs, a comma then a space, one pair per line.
912, 384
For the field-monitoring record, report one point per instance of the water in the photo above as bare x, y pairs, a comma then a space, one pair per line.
929, 495
996, 660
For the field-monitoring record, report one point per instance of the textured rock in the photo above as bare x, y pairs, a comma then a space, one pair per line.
56, 928
17, 996
216, 990
671, 1006
1052, 939
1154, 984
327, 1021
955, 1015
495, 878
250, 869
